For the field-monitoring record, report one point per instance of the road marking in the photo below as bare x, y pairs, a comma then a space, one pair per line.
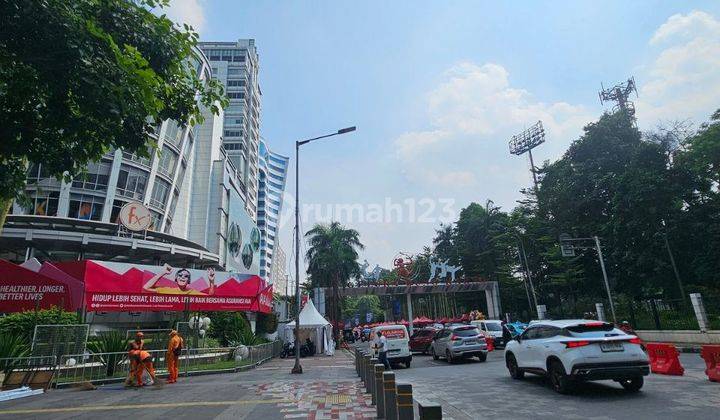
140, 406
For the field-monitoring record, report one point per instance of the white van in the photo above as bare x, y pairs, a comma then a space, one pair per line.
492, 328
398, 343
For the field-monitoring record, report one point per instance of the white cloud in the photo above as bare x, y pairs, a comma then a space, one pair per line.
187, 11
683, 80
690, 25
474, 111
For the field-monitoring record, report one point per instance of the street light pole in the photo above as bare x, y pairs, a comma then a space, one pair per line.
607, 284
298, 368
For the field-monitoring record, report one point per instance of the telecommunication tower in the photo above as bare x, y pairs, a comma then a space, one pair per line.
620, 94
525, 142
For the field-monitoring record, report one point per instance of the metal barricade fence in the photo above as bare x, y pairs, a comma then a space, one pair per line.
112, 367
34, 371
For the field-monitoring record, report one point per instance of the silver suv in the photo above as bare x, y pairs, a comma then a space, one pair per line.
459, 342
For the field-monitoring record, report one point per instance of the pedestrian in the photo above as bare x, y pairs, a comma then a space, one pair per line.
175, 344
382, 350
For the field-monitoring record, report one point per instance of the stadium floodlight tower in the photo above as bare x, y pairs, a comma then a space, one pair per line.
620, 94
525, 142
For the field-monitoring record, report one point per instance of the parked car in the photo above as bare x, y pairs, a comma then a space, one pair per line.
568, 351
459, 342
398, 343
493, 328
421, 339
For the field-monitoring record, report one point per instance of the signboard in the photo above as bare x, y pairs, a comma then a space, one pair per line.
566, 247
242, 239
368, 317
123, 287
22, 289
135, 216
394, 333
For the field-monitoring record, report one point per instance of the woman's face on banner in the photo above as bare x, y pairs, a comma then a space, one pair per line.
182, 278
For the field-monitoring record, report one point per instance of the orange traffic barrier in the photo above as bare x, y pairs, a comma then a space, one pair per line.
490, 343
711, 355
664, 359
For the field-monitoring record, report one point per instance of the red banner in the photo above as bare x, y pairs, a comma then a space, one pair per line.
22, 289
121, 287
114, 287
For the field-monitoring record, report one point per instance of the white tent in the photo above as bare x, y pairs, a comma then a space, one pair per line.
314, 326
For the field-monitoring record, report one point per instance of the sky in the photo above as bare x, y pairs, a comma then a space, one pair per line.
437, 88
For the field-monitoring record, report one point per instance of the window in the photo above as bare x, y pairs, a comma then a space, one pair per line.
530, 334
160, 193
168, 159
95, 179
233, 133
36, 174
86, 207
117, 205
43, 203
173, 133
156, 219
132, 182
278, 177
547, 332
236, 95
234, 72
466, 331
232, 146
239, 59
235, 83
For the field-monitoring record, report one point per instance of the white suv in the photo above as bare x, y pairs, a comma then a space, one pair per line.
578, 350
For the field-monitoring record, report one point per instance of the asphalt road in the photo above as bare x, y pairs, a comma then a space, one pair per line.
471, 390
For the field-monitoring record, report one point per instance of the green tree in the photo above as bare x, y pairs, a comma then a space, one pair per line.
477, 230
333, 260
79, 78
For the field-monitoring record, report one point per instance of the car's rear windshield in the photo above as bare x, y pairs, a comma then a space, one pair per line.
492, 326
466, 332
592, 329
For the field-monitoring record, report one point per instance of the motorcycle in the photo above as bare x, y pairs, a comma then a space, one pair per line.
288, 350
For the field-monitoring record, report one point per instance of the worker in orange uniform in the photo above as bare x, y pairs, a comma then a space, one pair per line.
134, 349
140, 359
173, 355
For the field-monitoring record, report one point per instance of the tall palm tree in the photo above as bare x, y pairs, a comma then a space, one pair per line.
333, 260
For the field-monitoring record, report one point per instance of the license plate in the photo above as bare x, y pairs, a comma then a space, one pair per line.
611, 346
471, 342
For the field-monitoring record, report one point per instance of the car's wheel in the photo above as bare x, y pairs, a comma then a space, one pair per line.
482, 357
559, 380
512, 365
632, 385
432, 353
449, 357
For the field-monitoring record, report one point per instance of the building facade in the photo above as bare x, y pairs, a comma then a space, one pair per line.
236, 65
271, 184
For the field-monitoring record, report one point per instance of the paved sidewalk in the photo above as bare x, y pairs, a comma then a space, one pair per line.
329, 389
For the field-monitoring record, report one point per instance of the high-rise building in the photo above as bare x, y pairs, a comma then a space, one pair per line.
279, 271
236, 65
271, 184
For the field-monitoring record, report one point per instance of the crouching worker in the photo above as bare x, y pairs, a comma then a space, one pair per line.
145, 364
172, 356
134, 348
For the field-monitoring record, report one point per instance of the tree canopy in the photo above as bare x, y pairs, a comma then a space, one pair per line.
79, 78
644, 195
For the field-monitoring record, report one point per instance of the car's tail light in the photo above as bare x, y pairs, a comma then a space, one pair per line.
574, 344
455, 338
635, 340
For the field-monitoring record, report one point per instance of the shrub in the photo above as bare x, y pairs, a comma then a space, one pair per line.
23, 323
225, 326
109, 342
